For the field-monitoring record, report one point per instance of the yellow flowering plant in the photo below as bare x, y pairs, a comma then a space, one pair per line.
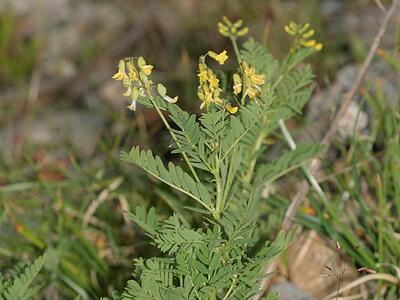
210, 246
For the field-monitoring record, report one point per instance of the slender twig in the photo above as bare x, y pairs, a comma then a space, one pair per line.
292, 144
381, 6
102, 197
316, 163
354, 297
362, 280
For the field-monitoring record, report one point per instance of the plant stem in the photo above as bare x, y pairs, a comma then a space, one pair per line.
253, 162
229, 292
309, 176
218, 205
238, 58
230, 177
235, 48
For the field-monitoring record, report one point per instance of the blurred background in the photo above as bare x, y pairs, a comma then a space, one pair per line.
63, 120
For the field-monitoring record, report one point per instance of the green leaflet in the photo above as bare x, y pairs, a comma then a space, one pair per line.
289, 161
146, 220
173, 236
173, 175
19, 287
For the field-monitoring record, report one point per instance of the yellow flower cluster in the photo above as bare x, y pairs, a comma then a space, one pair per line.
209, 90
302, 35
135, 78
252, 81
227, 28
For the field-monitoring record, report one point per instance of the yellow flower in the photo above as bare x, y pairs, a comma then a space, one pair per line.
308, 34
131, 70
238, 23
128, 92
257, 79
251, 92
132, 106
220, 58
170, 100
147, 69
308, 44
231, 109
143, 66
132, 75
223, 29
212, 79
243, 31
208, 90
121, 71
202, 73
252, 80
208, 99
227, 28
118, 76
218, 101
318, 47
237, 84
302, 35
237, 88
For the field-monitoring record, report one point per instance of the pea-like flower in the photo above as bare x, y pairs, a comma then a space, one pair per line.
128, 92
233, 30
202, 72
147, 69
220, 58
120, 75
212, 79
237, 84
252, 80
131, 71
231, 109
162, 91
302, 35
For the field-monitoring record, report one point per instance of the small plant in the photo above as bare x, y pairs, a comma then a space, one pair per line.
19, 286
225, 168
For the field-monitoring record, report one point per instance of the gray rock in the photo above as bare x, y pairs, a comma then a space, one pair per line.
332, 8
381, 79
288, 291
76, 129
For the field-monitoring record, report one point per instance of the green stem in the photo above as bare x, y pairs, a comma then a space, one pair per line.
235, 48
173, 135
253, 162
229, 180
238, 58
293, 146
219, 188
229, 292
